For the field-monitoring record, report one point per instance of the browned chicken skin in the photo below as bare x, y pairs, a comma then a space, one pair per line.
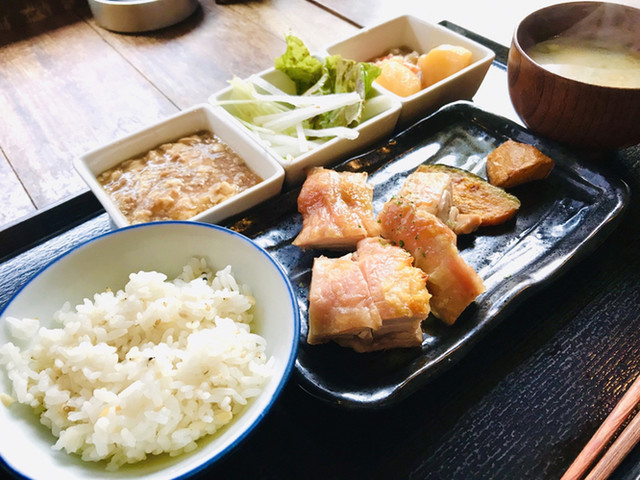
369, 300
337, 210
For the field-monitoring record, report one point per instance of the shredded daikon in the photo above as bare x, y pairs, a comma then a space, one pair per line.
329, 101
279, 119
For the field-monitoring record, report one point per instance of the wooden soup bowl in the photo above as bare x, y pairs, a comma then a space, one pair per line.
570, 111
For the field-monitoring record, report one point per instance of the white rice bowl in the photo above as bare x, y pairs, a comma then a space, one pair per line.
183, 336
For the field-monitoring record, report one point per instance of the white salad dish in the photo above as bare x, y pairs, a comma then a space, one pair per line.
192, 120
107, 261
378, 121
418, 35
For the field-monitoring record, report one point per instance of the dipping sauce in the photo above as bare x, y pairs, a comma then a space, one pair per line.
179, 180
589, 61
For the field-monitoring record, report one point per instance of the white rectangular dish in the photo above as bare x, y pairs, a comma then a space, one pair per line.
418, 35
378, 122
192, 120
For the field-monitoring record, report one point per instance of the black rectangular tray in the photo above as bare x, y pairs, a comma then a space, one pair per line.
562, 218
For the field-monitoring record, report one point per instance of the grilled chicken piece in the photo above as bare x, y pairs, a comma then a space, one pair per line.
465, 222
475, 198
337, 210
399, 292
401, 338
340, 303
433, 191
430, 190
342, 309
397, 287
452, 283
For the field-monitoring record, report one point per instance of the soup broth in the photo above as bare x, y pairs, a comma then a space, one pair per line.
589, 61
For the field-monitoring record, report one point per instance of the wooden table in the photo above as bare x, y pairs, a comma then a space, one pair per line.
520, 405
68, 86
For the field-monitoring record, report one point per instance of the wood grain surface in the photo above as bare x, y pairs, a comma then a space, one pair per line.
493, 19
65, 92
524, 401
191, 61
68, 86
13, 197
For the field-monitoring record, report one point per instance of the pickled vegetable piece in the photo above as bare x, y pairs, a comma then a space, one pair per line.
398, 78
441, 62
514, 163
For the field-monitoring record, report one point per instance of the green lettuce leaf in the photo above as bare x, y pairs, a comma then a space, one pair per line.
335, 75
345, 76
302, 67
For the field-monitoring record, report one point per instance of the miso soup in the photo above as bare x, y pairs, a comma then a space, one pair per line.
589, 61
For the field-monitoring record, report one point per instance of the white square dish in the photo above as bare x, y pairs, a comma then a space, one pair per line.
378, 122
192, 120
420, 36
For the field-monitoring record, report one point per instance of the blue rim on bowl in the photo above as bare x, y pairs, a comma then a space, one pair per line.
263, 403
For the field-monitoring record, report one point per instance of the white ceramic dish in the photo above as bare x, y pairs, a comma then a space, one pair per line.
377, 124
408, 31
199, 117
107, 261
128, 16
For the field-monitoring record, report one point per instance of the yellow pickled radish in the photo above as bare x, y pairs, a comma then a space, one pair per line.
398, 78
441, 62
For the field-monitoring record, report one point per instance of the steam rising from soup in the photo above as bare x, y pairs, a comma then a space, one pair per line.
601, 49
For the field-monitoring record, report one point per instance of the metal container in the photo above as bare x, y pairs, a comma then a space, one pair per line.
130, 16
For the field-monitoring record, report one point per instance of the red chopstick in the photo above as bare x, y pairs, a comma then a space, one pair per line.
619, 449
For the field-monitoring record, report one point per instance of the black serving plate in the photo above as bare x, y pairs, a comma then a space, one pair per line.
562, 218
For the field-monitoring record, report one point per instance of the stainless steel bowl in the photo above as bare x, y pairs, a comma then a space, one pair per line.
130, 16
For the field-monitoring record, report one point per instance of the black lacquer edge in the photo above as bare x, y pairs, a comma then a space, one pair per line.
32, 230
608, 220
502, 52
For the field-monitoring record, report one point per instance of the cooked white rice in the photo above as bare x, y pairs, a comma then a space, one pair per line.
149, 369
